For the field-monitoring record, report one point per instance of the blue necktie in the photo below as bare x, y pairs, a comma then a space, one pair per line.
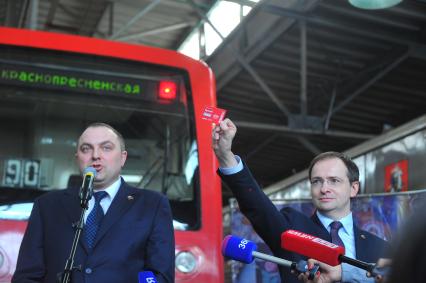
334, 232
335, 238
94, 219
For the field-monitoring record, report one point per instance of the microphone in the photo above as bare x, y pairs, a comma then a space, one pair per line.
324, 251
245, 251
312, 247
147, 277
86, 190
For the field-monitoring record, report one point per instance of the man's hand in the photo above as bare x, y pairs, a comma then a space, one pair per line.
222, 136
329, 274
382, 262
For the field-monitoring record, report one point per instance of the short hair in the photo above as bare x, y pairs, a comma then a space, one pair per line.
100, 124
353, 172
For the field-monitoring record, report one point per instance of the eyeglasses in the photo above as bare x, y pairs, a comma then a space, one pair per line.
331, 182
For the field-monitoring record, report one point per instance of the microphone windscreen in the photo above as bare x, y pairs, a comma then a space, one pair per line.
238, 248
312, 247
89, 170
147, 277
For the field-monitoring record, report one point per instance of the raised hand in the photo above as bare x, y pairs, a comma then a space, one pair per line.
222, 136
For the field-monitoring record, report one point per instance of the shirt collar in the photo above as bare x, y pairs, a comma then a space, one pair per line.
112, 189
347, 222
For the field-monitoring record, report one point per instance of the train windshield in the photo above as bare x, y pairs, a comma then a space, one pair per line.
48, 97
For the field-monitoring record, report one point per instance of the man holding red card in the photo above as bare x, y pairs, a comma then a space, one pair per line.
334, 181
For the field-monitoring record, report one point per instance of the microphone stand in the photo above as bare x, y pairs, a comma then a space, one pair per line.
85, 196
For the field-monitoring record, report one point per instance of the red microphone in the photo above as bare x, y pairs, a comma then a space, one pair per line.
321, 250
312, 247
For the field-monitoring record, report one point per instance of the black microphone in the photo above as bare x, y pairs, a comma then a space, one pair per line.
86, 190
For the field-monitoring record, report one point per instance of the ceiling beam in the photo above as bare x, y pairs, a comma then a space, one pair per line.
12, 13
280, 105
155, 31
310, 146
360, 15
52, 11
244, 2
292, 131
260, 146
110, 18
369, 33
263, 31
246, 65
33, 14
93, 14
136, 18
371, 79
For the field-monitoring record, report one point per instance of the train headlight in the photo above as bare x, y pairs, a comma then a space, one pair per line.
185, 262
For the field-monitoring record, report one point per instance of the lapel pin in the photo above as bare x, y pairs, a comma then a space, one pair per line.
130, 198
363, 236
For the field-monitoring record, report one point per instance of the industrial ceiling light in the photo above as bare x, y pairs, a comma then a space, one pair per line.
374, 4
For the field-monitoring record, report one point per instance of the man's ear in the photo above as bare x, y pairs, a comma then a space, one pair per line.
354, 188
123, 157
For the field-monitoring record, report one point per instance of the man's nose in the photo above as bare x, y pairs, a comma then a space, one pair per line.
325, 187
95, 153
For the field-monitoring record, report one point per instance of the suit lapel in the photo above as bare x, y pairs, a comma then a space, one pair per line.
119, 206
323, 232
361, 244
71, 203
72, 206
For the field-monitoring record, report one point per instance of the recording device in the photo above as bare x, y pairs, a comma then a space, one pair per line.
147, 277
86, 190
245, 251
324, 251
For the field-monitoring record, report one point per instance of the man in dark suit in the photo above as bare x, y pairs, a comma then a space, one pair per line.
334, 180
135, 231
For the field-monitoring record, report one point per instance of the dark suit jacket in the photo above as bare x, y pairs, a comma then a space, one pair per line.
269, 223
136, 234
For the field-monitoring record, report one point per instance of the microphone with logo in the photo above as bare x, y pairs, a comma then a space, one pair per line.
147, 277
324, 251
243, 250
86, 190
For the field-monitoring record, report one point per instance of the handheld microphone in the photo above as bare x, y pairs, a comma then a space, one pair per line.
245, 251
312, 247
86, 190
322, 250
147, 277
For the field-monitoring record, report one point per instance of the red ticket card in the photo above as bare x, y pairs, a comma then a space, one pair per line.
213, 114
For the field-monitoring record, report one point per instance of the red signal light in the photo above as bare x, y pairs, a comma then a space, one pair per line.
167, 90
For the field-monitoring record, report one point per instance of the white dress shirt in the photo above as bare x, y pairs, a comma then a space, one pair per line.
346, 233
106, 201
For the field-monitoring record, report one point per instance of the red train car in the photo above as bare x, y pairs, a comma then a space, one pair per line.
51, 85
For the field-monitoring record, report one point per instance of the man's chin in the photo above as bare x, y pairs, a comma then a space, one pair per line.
325, 207
97, 183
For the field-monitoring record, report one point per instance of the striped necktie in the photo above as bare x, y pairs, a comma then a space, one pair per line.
334, 232
335, 238
94, 219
